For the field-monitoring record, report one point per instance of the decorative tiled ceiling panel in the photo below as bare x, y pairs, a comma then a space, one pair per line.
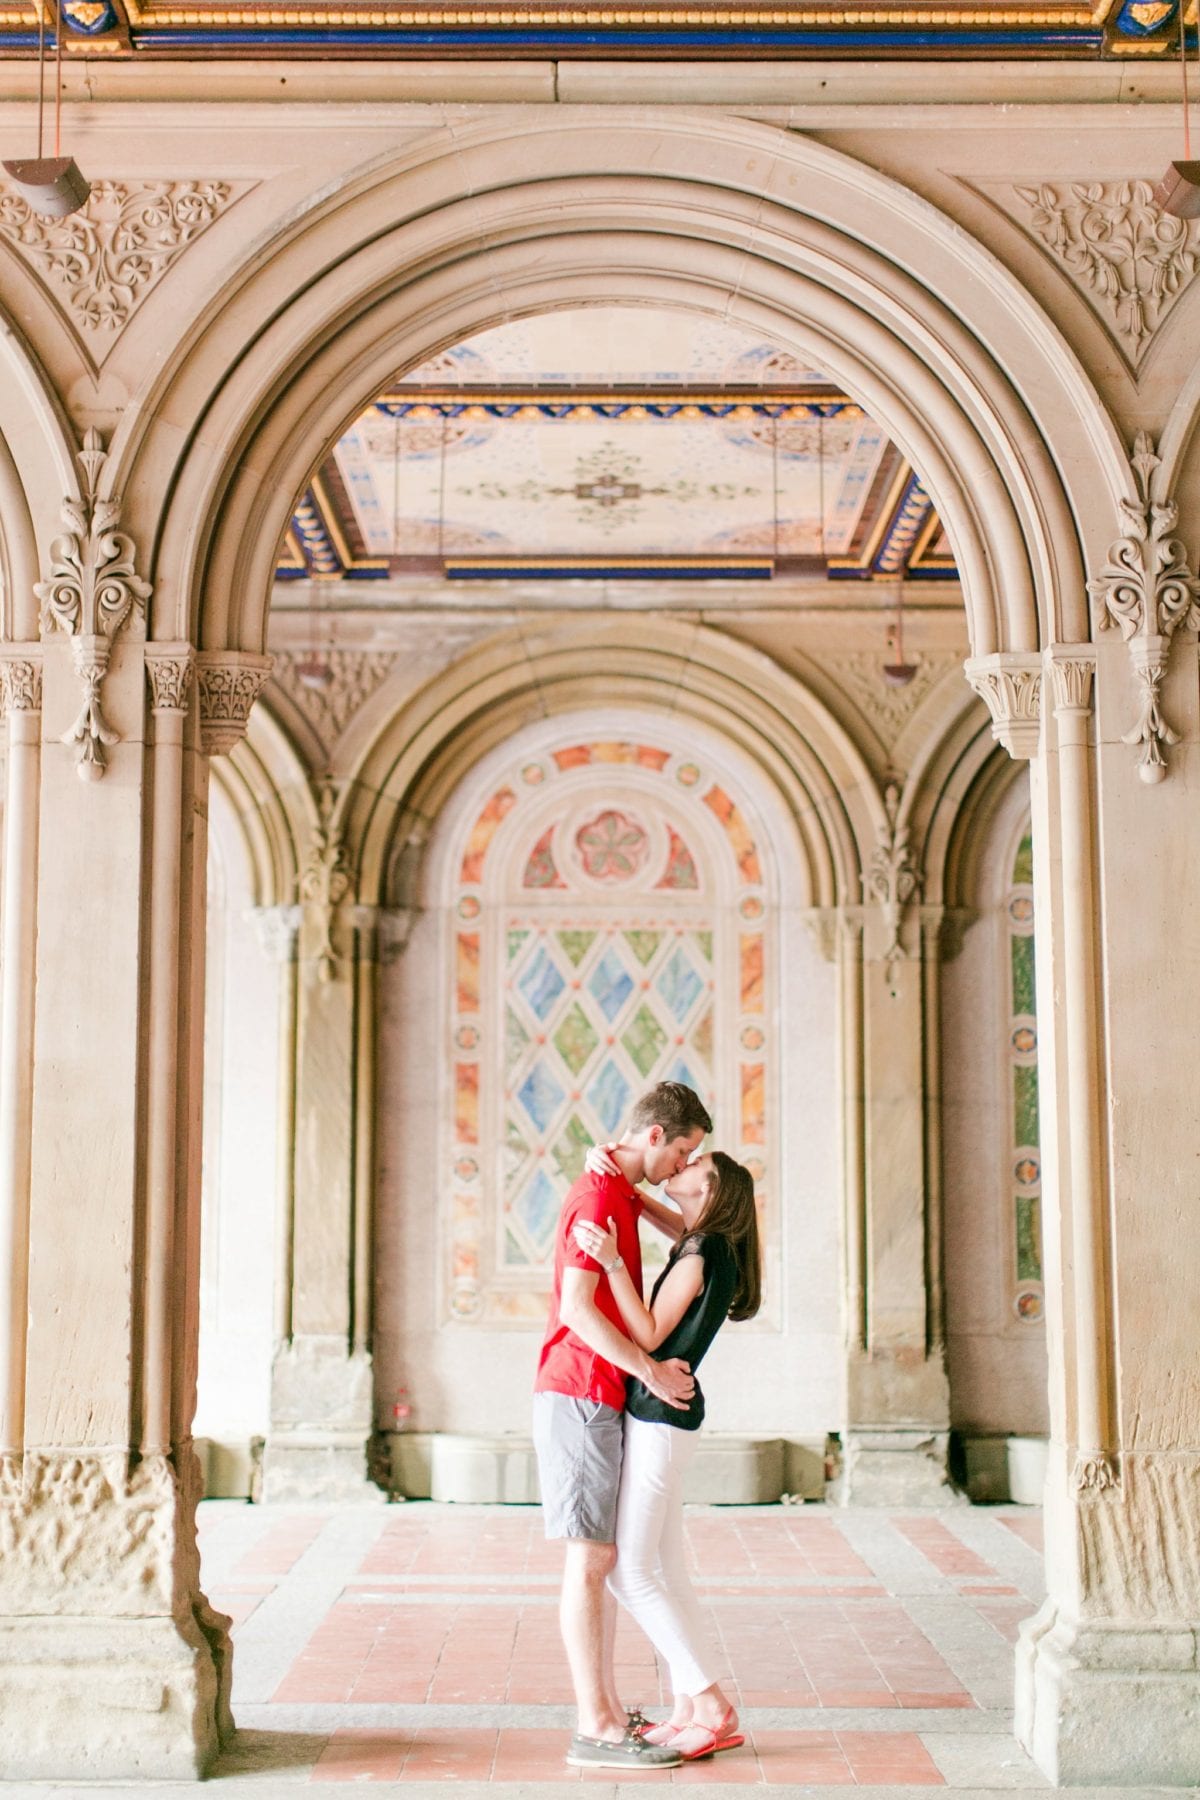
604, 440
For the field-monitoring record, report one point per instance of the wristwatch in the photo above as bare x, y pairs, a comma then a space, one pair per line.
617, 1262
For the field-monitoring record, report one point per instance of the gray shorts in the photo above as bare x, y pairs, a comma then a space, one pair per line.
578, 1444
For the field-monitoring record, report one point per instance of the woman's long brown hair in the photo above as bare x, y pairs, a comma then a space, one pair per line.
730, 1212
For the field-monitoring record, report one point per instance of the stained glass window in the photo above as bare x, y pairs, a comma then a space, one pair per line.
611, 930
1022, 1056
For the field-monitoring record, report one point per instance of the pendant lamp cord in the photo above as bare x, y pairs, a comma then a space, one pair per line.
42, 4
1183, 72
58, 38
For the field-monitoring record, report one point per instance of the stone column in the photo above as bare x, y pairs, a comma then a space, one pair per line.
1108, 1672
112, 1665
322, 1387
895, 1432
21, 679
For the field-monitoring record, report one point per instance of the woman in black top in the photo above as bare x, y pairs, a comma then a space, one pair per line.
713, 1273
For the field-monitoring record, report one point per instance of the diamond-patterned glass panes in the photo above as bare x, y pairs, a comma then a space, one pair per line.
1023, 1074
610, 984
541, 984
611, 922
596, 1016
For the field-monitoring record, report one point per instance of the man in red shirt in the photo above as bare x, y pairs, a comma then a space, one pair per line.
579, 1397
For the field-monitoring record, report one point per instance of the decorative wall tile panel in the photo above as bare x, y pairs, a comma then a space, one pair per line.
583, 993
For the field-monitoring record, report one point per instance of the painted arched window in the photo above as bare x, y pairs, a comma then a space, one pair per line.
612, 927
1022, 1057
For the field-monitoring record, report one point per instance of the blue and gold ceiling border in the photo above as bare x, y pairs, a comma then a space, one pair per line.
536, 404
255, 28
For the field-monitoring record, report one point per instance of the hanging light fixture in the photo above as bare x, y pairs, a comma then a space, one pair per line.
899, 673
52, 185
1178, 193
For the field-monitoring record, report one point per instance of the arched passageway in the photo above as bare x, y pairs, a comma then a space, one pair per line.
1026, 468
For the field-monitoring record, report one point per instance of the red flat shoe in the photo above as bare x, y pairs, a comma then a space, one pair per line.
708, 1741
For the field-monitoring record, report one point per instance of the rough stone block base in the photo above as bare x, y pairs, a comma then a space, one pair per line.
321, 1424
893, 1468
1109, 1706
114, 1699
318, 1468
479, 1470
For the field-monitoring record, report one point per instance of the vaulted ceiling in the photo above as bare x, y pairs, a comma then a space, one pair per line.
650, 28
615, 442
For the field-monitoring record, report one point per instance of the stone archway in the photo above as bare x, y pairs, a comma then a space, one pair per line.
1026, 470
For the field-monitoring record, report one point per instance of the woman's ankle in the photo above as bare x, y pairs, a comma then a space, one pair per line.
712, 1708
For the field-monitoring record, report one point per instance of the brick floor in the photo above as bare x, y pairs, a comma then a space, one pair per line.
418, 1645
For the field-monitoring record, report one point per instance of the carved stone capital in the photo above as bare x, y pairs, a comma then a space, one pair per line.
822, 922
851, 926
1072, 670
1147, 590
169, 669
21, 678
278, 930
1009, 683
384, 931
943, 929
91, 593
229, 683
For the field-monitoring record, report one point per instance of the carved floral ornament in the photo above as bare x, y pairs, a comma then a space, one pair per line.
20, 685
892, 880
91, 592
1132, 258
1147, 590
106, 257
325, 879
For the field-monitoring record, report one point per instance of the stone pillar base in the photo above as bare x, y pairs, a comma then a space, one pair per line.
317, 1449
1109, 1705
894, 1467
115, 1699
319, 1467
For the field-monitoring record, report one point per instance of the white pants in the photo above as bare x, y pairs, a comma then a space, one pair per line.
651, 1579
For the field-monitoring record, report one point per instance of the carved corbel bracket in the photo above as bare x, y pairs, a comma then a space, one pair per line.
91, 592
1147, 590
229, 681
1010, 685
169, 670
892, 880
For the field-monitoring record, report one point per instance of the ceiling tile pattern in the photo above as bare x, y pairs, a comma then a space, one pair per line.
609, 439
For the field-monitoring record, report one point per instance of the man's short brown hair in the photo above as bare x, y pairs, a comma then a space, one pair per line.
678, 1109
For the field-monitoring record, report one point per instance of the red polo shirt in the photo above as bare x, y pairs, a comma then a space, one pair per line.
567, 1365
